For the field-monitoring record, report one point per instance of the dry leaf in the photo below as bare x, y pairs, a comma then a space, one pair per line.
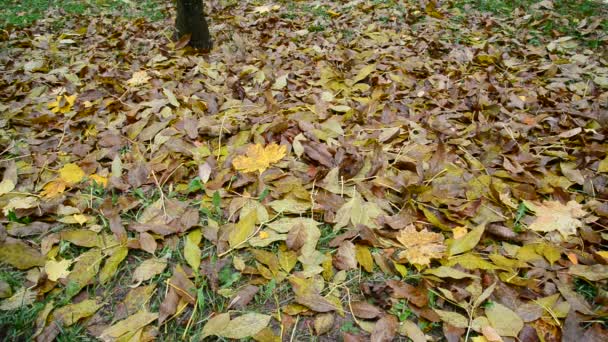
421, 246
552, 215
259, 158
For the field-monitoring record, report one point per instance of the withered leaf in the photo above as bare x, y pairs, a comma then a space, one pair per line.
365, 310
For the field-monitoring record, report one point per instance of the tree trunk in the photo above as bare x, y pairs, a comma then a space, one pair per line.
191, 20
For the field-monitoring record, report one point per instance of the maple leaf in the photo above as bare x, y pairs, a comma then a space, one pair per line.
139, 78
552, 215
259, 158
62, 104
421, 246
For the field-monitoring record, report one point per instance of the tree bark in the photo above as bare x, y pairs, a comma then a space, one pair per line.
191, 20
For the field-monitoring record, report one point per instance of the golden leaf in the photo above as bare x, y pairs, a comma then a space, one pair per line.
71, 174
259, 158
53, 188
62, 104
421, 246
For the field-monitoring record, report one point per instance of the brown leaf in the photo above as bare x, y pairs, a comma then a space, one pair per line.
296, 237
345, 258
117, 228
385, 329
147, 242
323, 323
365, 310
240, 300
403, 290
168, 307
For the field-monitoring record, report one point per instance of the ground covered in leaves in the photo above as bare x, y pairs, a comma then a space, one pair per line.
383, 170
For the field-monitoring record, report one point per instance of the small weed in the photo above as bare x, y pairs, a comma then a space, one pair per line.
586, 289
25, 12
18, 325
401, 310
349, 327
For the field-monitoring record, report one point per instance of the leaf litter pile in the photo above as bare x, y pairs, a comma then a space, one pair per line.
330, 171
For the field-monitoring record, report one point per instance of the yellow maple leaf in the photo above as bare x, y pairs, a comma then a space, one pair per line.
53, 188
71, 174
552, 215
139, 78
62, 104
421, 246
57, 269
259, 158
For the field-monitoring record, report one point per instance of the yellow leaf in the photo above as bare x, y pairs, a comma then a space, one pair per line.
242, 230
21, 298
72, 313
364, 257
259, 158
552, 215
100, 180
80, 218
467, 242
128, 325
57, 269
20, 202
62, 104
603, 254
603, 166
138, 78
53, 188
148, 269
112, 263
71, 174
192, 251
459, 232
6, 186
20, 255
84, 269
421, 246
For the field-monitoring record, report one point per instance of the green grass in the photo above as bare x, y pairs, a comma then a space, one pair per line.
22, 13
571, 12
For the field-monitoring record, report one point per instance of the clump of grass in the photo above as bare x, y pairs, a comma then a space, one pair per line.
570, 14
21, 13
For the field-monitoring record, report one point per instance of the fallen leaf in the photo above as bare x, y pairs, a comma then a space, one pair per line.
242, 230
70, 314
192, 252
244, 326
57, 269
20, 255
467, 242
323, 323
259, 158
71, 174
504, 320
148, 269
421, 246
552, 216
22, 297
128, 325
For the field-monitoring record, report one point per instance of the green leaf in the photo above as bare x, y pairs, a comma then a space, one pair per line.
467, 242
